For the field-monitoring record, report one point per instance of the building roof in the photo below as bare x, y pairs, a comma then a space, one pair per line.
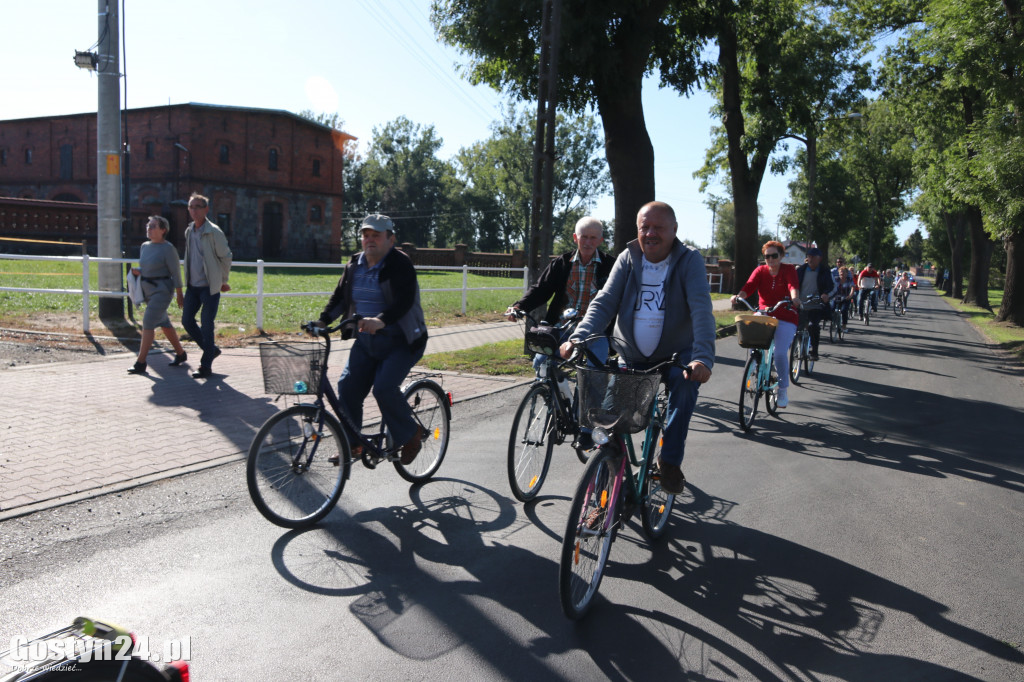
200, 105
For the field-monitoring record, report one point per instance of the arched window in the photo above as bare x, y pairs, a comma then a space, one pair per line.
272, 160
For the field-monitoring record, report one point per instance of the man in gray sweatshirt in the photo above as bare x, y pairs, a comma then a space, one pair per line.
658, 289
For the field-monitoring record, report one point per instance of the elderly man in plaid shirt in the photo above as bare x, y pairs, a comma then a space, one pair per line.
571, 281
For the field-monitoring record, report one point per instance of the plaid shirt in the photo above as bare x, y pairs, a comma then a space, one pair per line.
580, 288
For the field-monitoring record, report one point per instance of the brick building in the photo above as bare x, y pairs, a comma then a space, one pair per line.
274, 179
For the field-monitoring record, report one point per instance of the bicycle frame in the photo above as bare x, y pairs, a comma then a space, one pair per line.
633, 483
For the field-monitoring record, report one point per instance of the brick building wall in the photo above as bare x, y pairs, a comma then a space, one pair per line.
274, 179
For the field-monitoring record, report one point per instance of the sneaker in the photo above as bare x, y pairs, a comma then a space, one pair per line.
412, 446
783, 400
672, 479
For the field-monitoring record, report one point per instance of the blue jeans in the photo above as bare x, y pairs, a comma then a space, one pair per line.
380, 361
682, 399
197, 298
864, 296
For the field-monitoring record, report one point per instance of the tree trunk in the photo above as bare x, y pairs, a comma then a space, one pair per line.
956, 230
746, 176
630, 157
981, 259
745, 234
1012, 309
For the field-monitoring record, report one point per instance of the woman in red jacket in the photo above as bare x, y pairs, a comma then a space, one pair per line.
775, 281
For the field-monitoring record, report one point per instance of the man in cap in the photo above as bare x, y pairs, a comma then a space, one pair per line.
816, 284
380, 285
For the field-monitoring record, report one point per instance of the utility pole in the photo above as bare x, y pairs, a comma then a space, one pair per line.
544, 139
108, 161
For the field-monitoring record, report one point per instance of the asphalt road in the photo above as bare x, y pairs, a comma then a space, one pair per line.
872, 533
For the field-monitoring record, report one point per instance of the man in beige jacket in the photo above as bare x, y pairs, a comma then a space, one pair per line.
207, 265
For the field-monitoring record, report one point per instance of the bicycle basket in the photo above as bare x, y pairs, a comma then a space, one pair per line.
619, 399
755, 331
542, 339
291, 365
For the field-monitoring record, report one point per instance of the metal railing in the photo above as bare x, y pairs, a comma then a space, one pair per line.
261, 295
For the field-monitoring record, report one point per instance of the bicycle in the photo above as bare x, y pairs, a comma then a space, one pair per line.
835, 327
899, 306
300, 458
800, 361
615, 404
757, 332
545, 416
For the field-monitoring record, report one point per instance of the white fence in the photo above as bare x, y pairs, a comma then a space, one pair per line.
715, 280
261, 295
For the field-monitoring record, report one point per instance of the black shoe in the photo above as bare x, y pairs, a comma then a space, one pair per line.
178, 359
138, 368
672, 479
584, 441
814, 356
202, 373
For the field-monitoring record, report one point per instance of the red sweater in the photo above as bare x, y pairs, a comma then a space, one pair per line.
770, 290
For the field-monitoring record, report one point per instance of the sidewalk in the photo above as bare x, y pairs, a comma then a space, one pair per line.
76, 430
80, 429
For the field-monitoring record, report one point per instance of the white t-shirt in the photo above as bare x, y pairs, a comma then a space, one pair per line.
649, 308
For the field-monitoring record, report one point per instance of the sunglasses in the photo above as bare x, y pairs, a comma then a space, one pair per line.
771, 255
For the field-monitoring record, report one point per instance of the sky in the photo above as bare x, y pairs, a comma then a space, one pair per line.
370, 61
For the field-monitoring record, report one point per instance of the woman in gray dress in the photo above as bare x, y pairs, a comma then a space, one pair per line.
160, 272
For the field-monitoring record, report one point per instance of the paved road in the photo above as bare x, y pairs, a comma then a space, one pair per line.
871, 533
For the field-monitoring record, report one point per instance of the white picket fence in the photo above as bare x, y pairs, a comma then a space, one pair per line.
261, 294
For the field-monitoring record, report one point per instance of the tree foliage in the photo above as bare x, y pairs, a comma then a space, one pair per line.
783, 66
606, 49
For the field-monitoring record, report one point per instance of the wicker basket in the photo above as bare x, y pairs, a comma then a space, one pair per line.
618, 401
755, 331
290, 365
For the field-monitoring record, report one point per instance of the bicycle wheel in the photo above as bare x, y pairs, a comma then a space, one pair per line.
771, 396
808, 362
655, 503
430, 409
832, 329
750, 390
837, 321
530, 443
289, 476
794, 357
591, 527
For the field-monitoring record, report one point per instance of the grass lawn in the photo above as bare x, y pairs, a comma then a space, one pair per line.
237, 317
507, 358
1008, 336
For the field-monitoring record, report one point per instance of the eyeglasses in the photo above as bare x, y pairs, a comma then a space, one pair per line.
771, 255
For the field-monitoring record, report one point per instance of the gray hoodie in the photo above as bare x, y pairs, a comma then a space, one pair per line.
689, 322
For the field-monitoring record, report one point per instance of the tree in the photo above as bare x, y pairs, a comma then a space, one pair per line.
782, 68
958, 71
403, 178
607, 47
501, 167
913, 248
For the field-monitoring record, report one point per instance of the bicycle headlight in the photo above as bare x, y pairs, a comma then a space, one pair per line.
600, 436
